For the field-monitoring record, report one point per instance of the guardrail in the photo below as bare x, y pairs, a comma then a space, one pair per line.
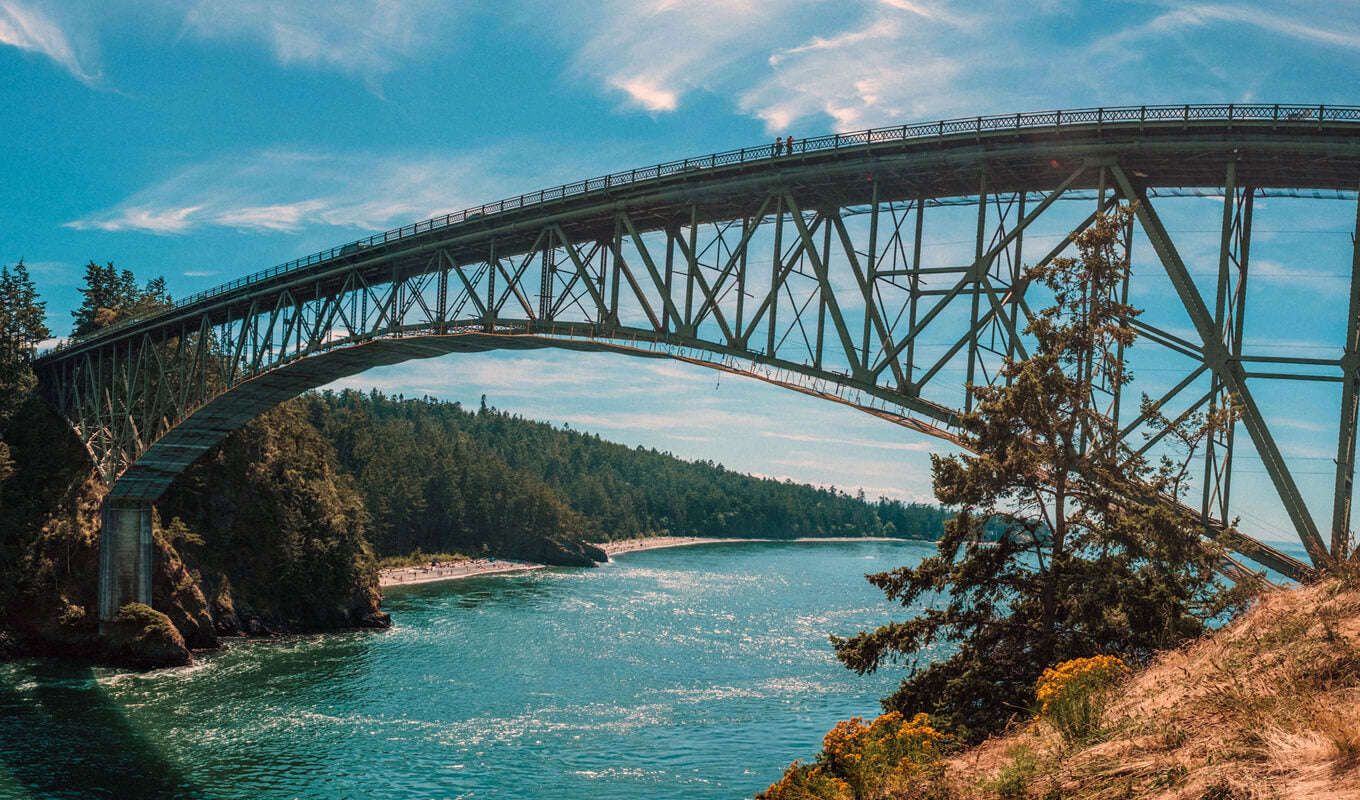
1038, 120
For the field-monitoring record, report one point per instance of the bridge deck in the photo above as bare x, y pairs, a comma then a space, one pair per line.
1274, 146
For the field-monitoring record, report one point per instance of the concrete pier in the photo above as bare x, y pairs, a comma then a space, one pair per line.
124, 555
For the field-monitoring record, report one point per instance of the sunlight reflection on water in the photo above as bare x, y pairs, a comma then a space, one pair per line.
692, 672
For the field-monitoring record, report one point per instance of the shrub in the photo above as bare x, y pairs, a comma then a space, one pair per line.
863, 761
1014, 779
806, 782
1072, 695
152, 626
71, 616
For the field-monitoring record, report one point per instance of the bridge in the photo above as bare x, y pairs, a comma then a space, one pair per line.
882, 269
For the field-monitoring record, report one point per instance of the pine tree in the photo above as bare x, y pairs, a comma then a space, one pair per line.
112, 295
22, 326
22, 314
1091, 553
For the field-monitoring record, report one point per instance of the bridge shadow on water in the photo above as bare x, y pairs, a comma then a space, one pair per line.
63, 736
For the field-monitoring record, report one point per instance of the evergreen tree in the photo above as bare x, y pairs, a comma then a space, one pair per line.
22, 314
22, 326
112, 295
1065, 545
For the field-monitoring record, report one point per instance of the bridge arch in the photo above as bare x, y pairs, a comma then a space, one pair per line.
820, 270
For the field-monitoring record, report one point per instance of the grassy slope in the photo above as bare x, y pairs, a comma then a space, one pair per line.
1264, 708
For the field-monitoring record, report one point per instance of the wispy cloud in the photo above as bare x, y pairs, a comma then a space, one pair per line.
654, 52
29, 29
860, 63
865, 62
284, 191
355, 37
1317, 23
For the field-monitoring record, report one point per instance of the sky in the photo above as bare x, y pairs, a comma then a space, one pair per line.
201, 141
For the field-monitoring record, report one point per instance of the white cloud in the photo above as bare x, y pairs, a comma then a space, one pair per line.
656, 51
645, 93
861, 63
1319, 23
358, 37
29, 29
866, 61
276, 190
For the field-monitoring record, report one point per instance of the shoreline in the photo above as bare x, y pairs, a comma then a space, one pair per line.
412, 576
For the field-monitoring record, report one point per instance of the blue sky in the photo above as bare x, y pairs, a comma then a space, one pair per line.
202, 141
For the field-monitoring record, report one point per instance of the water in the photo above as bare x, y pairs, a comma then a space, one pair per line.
694, 672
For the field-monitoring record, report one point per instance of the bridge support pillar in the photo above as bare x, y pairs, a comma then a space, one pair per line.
124, 555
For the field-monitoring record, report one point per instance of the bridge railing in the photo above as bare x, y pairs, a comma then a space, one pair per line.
1054, 121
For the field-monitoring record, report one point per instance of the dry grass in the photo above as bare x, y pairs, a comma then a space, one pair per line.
1268, 707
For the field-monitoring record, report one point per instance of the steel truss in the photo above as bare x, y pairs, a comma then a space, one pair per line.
826, 275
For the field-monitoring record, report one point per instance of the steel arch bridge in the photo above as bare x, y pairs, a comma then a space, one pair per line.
881, 269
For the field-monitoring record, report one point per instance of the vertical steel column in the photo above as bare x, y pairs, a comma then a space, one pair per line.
669, 278
1225, 258
1017, 275
1237, 310
741, 280
1350, 409
603, 315
124, 555
776, 267
1118, 397
691, 266
870, 264
545, 288
822, 287
980, 248
614, 244
1237, 306
914, 294
492, 262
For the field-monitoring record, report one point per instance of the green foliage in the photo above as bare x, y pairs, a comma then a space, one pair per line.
806, 782
1091, 553
22, 317
152, 626
178, 534
71, 616
1015, 778
418, 559
1073, 695
441, 479
21, 328
890, 757
111, 296
275, 516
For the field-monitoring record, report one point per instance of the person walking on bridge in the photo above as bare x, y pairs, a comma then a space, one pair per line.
774, 149
789, 145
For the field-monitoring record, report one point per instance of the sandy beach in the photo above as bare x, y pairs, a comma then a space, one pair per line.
448, 571
451, 570
656, 543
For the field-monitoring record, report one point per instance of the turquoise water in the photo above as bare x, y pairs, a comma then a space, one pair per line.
694, 672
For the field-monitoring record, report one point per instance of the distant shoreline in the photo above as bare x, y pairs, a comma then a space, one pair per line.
411, 576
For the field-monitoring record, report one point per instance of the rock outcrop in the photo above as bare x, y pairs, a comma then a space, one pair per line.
144, 638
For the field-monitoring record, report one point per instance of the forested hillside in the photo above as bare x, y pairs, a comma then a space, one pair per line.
441, 478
